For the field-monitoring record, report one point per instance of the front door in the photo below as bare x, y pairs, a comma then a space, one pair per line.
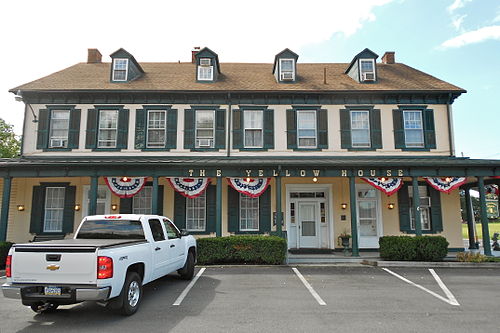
368, 217
308, 225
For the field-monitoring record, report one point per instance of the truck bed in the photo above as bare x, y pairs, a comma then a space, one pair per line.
77, 243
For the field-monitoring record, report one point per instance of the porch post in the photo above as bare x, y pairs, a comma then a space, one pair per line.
93, 195
354, 218
416, 207
279, 213
154, 199
484, 216
218, 211
4, 218
470, 219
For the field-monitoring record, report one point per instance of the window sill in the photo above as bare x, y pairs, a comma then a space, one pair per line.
362, 149
106, 149
155, 149
307, 149
57, 149
205, 149
415, 149
252, 149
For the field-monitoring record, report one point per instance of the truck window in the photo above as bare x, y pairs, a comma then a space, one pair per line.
172, 231
156, 230
111, 229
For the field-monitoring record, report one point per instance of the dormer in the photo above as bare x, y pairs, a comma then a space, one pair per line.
124, 67
207, 66
285, 66
363, 67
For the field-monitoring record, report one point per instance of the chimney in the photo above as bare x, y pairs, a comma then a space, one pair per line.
195, 51
94, 56
388, 58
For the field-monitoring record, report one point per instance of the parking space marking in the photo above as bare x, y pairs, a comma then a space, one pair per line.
450, 300
184, 293
309, 287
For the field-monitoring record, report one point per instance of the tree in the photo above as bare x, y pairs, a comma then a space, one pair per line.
9, 143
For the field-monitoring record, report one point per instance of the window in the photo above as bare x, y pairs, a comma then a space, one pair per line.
205, 128
172, 231
142, 201
108, 128
249, 213
425, 205
360, 129
103, 200
205, 70
306, 129
287, 70
253, 122
59, 128
156, 230
157, 129
413, 129
367, 69
196, 213
120, 68
54, 209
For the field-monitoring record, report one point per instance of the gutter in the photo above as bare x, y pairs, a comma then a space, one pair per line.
450, 126
229, 127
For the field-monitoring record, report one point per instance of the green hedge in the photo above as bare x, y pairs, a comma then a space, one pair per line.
418, 248
4, 249
242, 249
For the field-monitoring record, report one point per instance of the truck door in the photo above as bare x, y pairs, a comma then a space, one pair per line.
160, 249
176, 247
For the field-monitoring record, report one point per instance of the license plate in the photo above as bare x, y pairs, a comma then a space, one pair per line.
53, 291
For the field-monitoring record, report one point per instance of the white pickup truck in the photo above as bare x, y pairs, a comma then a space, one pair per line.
109, 259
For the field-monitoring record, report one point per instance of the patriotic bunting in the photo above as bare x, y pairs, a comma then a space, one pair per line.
125, 187
388, 185
446, 184
189, 187
252, 187
492, 189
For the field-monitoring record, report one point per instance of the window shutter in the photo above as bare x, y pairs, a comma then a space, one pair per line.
436, 219
233, 207
345, 129
211, 208
122, 135
265, 211
399, 133
69, 209
179, 210
125, 205
429, 129
140, 128
322, 125
42, 140
189, 129
220, 129
375, 129
160, 200
237, 129
404, 209
74, 128
171, 129
37, 209
269, 129
91, 136
291, 129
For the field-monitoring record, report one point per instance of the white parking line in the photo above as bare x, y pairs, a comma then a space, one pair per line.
184, 293
450, 300
1, 277
309, 287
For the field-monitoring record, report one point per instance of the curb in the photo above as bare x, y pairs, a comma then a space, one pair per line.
382, 263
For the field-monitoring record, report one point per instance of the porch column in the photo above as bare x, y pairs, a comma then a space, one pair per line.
218, 210
93, 195
354, 218
416, 207
154, 199
279, 213
484, 216
470, 219
4, 218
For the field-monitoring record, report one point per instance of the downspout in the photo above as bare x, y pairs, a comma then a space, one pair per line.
229, 127
450, 126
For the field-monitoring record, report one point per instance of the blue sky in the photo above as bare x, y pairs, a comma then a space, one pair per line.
455, 40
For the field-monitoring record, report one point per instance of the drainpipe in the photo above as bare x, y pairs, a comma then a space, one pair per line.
229, 127
450, 126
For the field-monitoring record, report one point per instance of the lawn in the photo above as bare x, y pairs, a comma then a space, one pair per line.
494, 227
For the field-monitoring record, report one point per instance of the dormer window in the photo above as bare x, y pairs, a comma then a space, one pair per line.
120, 68
367, 69
287, 70
285, 66
205, 70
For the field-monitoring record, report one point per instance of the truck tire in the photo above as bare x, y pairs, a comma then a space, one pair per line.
131, 294
187, 271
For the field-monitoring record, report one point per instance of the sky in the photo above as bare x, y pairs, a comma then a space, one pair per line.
457, 41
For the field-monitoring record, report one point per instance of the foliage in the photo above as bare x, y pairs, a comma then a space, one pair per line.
4, 250
242, 249
470, 257
9, 143
418, 248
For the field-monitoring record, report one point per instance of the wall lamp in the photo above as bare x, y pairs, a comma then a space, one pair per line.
77, 207
391, 205
114, 206
20, 208
343, 205
315, 179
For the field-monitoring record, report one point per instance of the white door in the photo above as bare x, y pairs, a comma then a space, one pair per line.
308, 233
369, 228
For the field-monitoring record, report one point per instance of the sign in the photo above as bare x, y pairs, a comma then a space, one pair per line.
492, 208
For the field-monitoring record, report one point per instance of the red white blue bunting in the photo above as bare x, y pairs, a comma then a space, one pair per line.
189, 187
387, 185
125, 187
252, 187
445, 184
492, 189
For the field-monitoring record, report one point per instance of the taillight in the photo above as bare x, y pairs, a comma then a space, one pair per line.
8, 266
104, 267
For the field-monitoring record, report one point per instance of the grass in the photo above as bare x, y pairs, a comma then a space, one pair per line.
494, 227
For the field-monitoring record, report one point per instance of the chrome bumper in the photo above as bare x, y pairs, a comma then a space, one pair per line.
10, 291
81, 294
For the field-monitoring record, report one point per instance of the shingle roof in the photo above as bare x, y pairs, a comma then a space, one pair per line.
239, 77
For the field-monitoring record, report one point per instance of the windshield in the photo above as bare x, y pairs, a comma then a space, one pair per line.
111, 229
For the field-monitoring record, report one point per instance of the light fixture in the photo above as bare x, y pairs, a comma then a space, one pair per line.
248, 179
343, 205
315, 179
383, 179
125, 179
20, 208
77, 207
391, 205
448, 179
114, 206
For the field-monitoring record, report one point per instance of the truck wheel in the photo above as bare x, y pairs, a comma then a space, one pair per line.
41, 307
131, 294
187, 271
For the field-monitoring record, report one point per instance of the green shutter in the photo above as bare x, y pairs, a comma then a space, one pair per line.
42, 139
404, 209
376, 129
345, 129
429, 129
322, 125
140, 128
160, 200
220, 129
233, 210
211, 208
189, 129
399, 133
179, 210
265, 211
37, 209
69, 209
291, 129
269, 129
122, 139
171, 129
237, 129
74, 128
91, 136
125, 205
436, 219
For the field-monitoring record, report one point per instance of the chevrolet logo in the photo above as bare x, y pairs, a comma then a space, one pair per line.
53, 267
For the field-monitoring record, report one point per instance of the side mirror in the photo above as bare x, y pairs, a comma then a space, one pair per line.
184, 232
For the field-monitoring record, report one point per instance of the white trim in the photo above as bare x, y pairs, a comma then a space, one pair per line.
62, 139
315, 129
261, 128
156, 129
258, 213
210, 78
205, 209
421, 129
196, 138
61, 209
369, 130
126, 69
99, 129
361, 72
107, 201
281, 71
380, 230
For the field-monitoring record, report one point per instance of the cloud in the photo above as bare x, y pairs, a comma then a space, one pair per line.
457, 21
471, 37
457, 4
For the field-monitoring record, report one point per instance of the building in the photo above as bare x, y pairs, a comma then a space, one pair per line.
283, 148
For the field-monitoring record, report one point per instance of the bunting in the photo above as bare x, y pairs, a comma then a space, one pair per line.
125, 187
189, 187
388, 185
252, 187
445, 184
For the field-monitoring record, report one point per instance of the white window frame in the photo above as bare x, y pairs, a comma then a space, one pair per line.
421, 129
64, 139
245, 221
315, 137
148, 129
281, 71
425, 208
245, 128
86, 200
203, 71
58, 209
107, 129
197, 138
145, 193
361, 71
115, 70
364, 144
198, 205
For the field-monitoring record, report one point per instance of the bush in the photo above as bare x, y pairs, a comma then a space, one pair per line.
4, 249
470, 257
408, 248
242, 249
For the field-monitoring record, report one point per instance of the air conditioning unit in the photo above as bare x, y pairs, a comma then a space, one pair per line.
286, 76
204, 142
57, 143
205, 62
368, 76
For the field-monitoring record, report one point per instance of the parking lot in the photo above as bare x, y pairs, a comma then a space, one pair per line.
290, 299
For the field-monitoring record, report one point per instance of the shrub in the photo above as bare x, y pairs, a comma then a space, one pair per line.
242, 249
4, 249
470, 257
408, 248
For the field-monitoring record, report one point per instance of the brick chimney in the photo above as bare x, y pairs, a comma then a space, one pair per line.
94, 56
388, 58
196, 49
